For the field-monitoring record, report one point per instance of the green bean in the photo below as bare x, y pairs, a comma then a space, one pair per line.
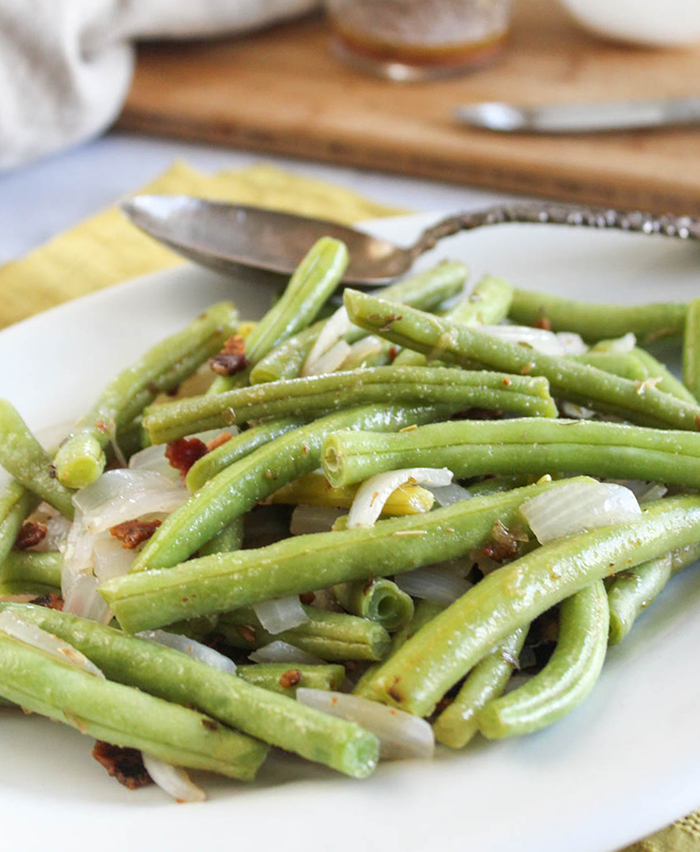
691, 349
577, 383
81, 459
487, 304
427, 291
26, 572
253, 478
669, 383
328, 635
568, 677
179, 678
24, 457
322, 394
447, 648
122, 715
631, 592
379, 600
238, 448
526, 445
459, 722
316, 277
623, 364
230, 538
16, 504
598, 321
230, 581
286, 678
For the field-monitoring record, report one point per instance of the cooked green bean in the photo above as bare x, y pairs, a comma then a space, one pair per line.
669, 383
459, 721
525, 445
328, 635
380, 357
623, 364
121, 715
447, 648
379, 600
427, 291
237, 448
306, 563
316, 277
631, 592
16, 504
568, 677
179, 678
26, 572
81, 459
251, 479
230, 538
286, 678
597, 321
322, 394
691, 349
466, 346
24, 457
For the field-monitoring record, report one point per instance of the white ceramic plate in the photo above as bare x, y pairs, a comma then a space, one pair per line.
624, 764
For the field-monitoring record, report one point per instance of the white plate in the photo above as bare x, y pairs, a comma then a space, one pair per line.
624, 764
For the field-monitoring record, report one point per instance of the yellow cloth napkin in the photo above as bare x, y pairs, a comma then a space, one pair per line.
106, 249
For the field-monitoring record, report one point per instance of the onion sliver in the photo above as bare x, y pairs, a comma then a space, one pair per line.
626, 343
446, 495
535, 338
82, 598
336, 327
577, 507
121, 495
440, 584
111, 559
373, 494
280, 614
401, 735
365, 348
32, 635
194, 649
572, 343
173, 780
283, 652
329, 361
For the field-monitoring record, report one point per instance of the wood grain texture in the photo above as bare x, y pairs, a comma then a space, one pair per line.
282, 91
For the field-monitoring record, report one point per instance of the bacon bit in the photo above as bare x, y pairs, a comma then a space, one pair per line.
30, 535
507, 382
184, 452
219, 441
231, 359
334, 700
133, 533
392, 353
390, 320
102, 426
53, 601
543, 322
307, 598
290, 679
247, 632
124, 764
504, 544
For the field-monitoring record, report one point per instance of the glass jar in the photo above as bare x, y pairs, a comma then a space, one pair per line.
410, 40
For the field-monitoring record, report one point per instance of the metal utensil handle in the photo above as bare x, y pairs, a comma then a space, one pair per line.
682, 227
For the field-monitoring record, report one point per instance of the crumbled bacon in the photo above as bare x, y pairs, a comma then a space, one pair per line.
184, 452
543, 323
231, 359
133, 533
53, 601
307, 598
30, 535
290, 678
124, 764
504, 544
219, 441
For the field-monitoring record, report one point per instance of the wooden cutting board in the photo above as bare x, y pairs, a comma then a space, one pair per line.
282, 91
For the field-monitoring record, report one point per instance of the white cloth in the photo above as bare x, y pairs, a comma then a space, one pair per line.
66, 65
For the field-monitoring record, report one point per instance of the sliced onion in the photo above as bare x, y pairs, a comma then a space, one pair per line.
329, 361
194, 649
645, 492
283, 652
173, 780
153, 459
82, 598
32, 635
57, 531
121, 495
110, 559
336, 327
572, 343
365, 348
536, 338
401, 735
280, 614
579, 506
446, 495
577, 412
373, 494
440, 584
626, 343
313, 519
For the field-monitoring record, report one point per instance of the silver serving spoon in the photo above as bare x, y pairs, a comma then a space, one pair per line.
254, 242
